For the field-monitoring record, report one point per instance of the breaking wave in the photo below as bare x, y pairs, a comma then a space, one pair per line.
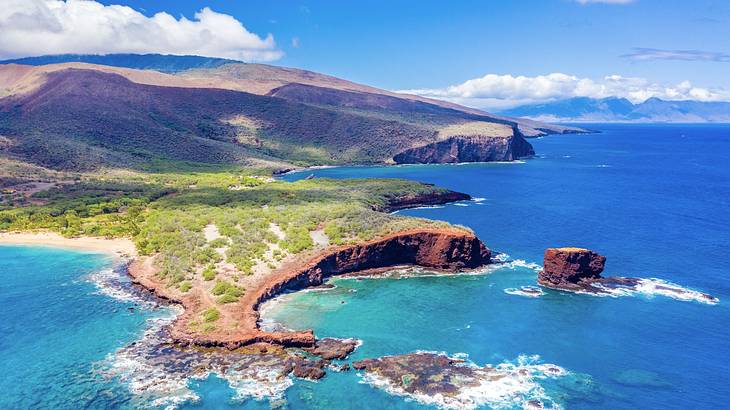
116, 284
657, 287
158, 374
511, 384
526, 291
503, 261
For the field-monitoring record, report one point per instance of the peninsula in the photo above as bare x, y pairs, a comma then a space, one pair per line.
180, 162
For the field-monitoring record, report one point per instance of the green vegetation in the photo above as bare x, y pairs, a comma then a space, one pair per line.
260, 221
208, 273
227, 291
185, 286
211, 315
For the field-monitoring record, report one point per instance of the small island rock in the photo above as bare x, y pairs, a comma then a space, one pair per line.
567, 268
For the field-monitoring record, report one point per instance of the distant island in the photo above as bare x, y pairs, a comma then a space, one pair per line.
612, 109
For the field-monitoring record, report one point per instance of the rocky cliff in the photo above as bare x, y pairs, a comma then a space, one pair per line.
428, 199
449, 249
476, 148
568, 268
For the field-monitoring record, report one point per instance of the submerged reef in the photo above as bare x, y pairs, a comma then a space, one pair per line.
454, 382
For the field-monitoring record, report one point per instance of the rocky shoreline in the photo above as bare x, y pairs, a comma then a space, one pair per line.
579, 270
448, 249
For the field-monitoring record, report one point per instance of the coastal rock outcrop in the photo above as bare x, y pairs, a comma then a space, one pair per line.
448, 249
428, 199
474, 148
455, 383
579, 270
568, 268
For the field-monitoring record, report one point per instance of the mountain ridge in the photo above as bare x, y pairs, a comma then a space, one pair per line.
614, 109
83, 116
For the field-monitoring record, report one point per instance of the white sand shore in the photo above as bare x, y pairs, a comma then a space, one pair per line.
117, 247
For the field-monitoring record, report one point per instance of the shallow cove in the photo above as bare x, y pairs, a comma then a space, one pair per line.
651, 198
58, 327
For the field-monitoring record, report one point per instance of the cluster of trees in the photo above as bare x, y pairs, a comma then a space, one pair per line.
260, 224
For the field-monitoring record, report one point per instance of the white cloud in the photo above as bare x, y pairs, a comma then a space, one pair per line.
604, 1
646, 54
38, 27
494, 91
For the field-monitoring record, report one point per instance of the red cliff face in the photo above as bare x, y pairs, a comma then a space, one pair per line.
443, 249
569, 267
468, 149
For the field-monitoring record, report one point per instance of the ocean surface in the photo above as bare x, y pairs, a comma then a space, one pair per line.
653, 199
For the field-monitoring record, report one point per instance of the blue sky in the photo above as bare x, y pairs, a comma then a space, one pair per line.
433, 47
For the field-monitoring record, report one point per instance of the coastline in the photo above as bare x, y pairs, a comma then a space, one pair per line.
450, 249
447, 249
118, 247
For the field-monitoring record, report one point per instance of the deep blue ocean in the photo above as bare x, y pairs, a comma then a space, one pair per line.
653, 199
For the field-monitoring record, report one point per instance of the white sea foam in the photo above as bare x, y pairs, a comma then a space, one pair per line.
460, 204
505, 386
115, 283
652, 287
257, 382
479, 199
150, 382
527, 291
159, 375
419, 207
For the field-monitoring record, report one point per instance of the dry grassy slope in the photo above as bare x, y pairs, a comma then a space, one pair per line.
81, 118
262, 79
253, 78
77, 116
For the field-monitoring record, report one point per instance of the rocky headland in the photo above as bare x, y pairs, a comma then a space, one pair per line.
579, 270
443, 248
447, 249
451, 382
469, 148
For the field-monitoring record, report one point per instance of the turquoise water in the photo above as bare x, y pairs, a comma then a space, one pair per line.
653, 199
57, 328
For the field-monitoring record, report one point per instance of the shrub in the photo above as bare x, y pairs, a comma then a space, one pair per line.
227, 299
227, 291
211, 315
209, 273
185, 286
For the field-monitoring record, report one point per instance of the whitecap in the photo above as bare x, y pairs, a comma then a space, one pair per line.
115, 283
145, 379
652, 287
511, 384
526, 291
158, 375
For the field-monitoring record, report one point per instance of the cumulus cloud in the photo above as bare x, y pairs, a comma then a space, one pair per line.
494, 91
644, 54
38, 27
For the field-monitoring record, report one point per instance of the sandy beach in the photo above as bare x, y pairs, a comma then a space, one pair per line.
118, 247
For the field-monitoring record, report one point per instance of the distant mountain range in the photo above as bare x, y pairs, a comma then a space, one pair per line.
612, 109
158, 62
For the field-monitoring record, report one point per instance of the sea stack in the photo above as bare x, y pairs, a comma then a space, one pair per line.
570, 268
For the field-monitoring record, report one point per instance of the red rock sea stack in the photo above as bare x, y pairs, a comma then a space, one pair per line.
570, 268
